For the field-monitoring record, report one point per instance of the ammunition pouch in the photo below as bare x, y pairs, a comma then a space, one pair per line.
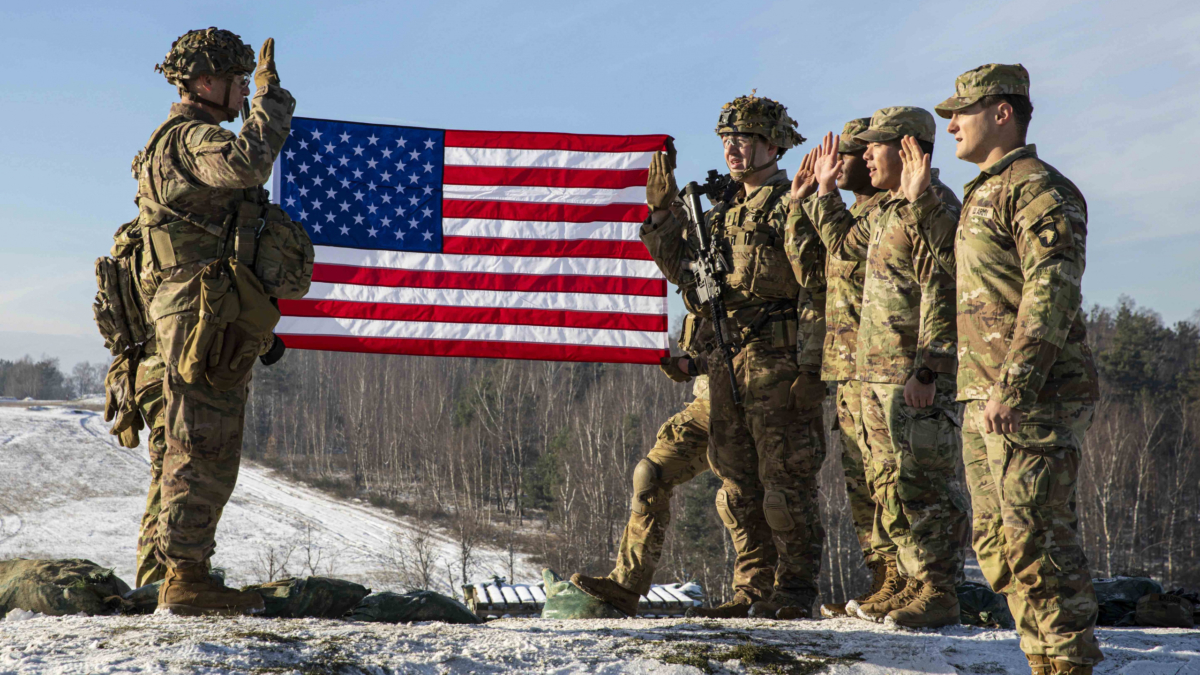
117, 307
760, 265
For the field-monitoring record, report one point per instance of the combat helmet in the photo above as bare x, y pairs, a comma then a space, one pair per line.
763, 116
206, 51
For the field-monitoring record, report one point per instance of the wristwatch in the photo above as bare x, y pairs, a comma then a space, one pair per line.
925, 376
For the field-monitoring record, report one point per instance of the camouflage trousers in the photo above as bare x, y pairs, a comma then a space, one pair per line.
855, 464
767, 453
149, 396
1025, 527
203, 449
921, 507
680, 453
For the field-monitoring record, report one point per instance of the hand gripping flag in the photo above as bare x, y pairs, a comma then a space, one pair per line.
472, 243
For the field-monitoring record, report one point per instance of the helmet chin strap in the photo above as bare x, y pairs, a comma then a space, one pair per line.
231, 114
750, 171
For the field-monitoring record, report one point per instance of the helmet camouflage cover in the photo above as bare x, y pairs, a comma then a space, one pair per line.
206, 51
763, 116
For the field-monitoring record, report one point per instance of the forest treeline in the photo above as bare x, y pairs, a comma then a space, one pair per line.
535, 457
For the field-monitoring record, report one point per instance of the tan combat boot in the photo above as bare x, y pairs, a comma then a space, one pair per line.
190, 591
737, 608
1061, 667
782, 605
607, 590
876, 611
1039, 664
932, 607
879, 573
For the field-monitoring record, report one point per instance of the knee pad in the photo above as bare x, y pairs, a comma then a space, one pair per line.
775, 510
724, 511
647, 488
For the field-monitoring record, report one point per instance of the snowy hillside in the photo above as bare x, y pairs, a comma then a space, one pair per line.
67, 490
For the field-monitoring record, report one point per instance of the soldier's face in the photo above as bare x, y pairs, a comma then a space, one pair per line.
974, 131
743, 151
855, 175
884, 164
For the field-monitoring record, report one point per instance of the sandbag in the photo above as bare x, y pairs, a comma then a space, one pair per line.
565, 600
1118, 598
319, 597
979, 605
1164, 611
59, 587
388, 607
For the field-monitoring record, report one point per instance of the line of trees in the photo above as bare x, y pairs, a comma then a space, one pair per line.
42, 379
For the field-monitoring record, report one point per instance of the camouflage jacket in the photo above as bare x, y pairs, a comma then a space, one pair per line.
908, 308
749, 231
844, 290
1020, 250
193, 175
805, 252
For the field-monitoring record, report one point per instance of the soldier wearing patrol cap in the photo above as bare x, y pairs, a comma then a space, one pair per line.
905, 360
843, 307
766, 451
1025, 371
202, 217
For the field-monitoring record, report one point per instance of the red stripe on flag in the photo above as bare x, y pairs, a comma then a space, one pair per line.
475, 349
614, 179
489, 315
551, 213
548, 248
549, 283
551, 141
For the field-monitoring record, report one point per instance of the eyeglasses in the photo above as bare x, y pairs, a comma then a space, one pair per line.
241, 79
742, 141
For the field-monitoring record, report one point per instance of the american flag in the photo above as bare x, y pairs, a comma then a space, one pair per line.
472, 243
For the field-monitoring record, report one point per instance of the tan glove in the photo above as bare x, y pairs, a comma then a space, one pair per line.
120, 408
265, 73
660, 183
670, 367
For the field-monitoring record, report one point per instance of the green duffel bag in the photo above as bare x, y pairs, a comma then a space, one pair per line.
59, 587
319, 597
1164, 610
388, 607
1118, 598
565, 600
979, 605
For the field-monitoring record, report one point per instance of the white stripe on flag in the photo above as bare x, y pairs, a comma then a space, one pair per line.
535, 229
547, 195
427, 330
562, 159
438, 262
449, 297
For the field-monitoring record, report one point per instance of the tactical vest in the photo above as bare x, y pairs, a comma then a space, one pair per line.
183, 222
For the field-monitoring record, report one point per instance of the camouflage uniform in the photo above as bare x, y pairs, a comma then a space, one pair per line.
843, 309
907, 324
192, 178
680, 453
1020, 249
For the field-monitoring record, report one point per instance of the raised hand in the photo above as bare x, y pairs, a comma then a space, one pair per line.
805, 182
828, 166
917, 174
660, 183
265, 73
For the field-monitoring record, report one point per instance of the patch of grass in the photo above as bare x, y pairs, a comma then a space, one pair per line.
694, 655
266, 636
758, 659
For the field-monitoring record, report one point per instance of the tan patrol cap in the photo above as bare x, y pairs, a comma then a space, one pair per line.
848, 144
993, 78
889, 124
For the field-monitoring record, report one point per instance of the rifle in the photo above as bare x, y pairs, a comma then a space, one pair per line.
710, 266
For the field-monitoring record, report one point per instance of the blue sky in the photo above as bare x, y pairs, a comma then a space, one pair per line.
1114, 86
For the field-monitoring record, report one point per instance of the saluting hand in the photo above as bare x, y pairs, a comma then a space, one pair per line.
828, 166
805, 182
917, 174
265, 73
660, 182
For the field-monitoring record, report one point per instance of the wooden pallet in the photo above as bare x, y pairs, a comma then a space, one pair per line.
496, 598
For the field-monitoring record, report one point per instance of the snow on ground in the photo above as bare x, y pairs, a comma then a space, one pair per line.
67, 490
166, 644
